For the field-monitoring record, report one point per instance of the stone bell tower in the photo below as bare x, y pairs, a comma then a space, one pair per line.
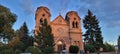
75, 31
41, 14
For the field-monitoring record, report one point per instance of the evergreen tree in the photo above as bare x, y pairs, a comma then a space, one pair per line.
44, 38
118, 44
7, 19
23, 32
93, 31
25, 38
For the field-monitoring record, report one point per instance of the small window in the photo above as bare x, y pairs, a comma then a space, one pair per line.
43, 15
73, 24
76, 24
41, 22
74, 18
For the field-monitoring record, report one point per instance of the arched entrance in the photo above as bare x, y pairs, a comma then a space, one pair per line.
61, 46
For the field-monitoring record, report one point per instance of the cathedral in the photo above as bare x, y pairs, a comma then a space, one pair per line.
66, 31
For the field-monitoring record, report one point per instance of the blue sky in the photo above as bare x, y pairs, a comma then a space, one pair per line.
107, 12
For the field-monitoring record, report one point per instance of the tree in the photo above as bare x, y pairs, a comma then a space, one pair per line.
14, 41
118, 44
44, 38
23, 32
73, 49
93, 31
89, 48
5, 49
108, 47
25, 38
7, 19
33, 50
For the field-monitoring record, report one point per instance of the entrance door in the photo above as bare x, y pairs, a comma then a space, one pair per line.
60, 46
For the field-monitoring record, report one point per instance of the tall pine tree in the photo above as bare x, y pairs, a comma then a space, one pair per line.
93, 34
44, 38
25, 38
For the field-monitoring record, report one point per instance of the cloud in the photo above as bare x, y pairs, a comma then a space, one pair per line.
114, 24
110, 13
107, 11
27, 6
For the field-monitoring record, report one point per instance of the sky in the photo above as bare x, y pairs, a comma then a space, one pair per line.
106, 11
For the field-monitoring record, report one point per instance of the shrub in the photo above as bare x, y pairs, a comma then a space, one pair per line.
73, 49
108, 47
90, 48
48, 50
5, 49
33, 50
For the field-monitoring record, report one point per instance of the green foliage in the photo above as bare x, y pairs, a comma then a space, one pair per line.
5, 49
19, 46
17, 51
90, 48
24, 36
33, 50
23, 31
14, 41
44, 38
108, 47
73, 49
7, 19
93, 34
15, 44
48, 50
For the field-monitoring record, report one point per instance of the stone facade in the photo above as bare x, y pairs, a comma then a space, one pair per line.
67, 31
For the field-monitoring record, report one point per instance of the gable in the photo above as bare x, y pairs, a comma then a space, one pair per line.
59, 20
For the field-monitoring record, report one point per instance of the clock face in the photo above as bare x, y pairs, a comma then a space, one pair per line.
60, 31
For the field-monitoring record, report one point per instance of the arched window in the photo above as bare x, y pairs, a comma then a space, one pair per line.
76, 24
73, 24
41, 22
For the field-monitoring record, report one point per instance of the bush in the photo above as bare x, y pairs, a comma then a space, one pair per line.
7, 51
33, 50
4, 47
48, 50
73, 49
89, 48
108, 47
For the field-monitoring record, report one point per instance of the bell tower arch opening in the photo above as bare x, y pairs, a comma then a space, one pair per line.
76, 24
41, 14
41, 22
73, 20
